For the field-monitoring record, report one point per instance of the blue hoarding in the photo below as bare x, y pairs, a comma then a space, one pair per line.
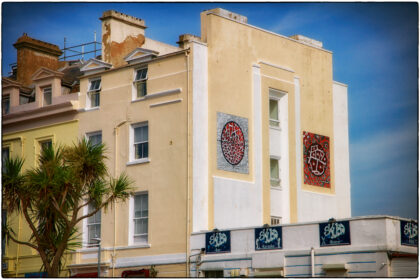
334, 233
409, 233
36, 275
268, 238
218, 242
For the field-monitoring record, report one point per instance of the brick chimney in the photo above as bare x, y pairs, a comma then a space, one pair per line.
33, 54
121, 34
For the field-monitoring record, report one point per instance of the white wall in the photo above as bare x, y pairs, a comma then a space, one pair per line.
200, 137
366, 256
341, 150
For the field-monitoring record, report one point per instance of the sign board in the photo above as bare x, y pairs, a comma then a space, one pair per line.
268, 238
218, 242
409, 233
334, 233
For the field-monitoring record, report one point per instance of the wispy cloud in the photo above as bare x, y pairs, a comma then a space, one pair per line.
298, 18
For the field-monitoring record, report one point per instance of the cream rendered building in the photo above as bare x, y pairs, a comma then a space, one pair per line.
212, 133
239, 127
249, 73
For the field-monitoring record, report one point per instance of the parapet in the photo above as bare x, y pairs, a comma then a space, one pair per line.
229, 14
307, 40
123, 17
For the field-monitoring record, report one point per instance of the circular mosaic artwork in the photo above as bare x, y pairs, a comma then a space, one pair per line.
232, 142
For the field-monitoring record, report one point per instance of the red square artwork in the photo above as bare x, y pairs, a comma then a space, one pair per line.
316, 160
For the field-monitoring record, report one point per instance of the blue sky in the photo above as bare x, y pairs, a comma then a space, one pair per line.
375, 52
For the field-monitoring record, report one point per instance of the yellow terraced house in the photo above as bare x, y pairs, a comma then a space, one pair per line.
238, 127
39, 108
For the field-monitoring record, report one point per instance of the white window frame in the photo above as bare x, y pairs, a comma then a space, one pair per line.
135, 81
132, 148
131, 220
96, 91
85, 236
94, 133
44, 91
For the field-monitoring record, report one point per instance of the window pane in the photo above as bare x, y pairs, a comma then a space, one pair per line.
95, 218
140, 218
23, 99
94, 231
140, 206
47, 96
274, 168
140, 226
5, 154
95, 139
141, 74
141, 150
46, 144
94, 99
141, 89
6, 104
95, 85
274, 110
141, 134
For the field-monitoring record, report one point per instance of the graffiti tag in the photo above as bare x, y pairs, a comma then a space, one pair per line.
334, 230
218, 239
410, 230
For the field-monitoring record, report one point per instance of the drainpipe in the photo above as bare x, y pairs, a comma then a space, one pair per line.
115, 205
187, 260
313, 261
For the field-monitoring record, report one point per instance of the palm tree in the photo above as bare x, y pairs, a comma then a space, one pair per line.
51, 195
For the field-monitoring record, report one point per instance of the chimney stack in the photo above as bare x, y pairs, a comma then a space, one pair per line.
33, 54
121, 34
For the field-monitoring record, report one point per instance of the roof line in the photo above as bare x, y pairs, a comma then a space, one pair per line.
270, 32
134, 64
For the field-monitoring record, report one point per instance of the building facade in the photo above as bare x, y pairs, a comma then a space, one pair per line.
236, 128
39, 108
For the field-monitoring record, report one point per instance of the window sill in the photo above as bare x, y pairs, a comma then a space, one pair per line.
157, 94
275, 127
138, 161
138, 99
134, 246
87, 249
277, 188
91, 109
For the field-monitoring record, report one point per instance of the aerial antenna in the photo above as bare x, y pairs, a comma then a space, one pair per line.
94, 39
64, 49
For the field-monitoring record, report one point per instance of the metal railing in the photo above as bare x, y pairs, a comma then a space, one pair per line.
79, 50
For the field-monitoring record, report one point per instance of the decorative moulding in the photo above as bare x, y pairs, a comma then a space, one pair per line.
140, 55
45, 73
94, 65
